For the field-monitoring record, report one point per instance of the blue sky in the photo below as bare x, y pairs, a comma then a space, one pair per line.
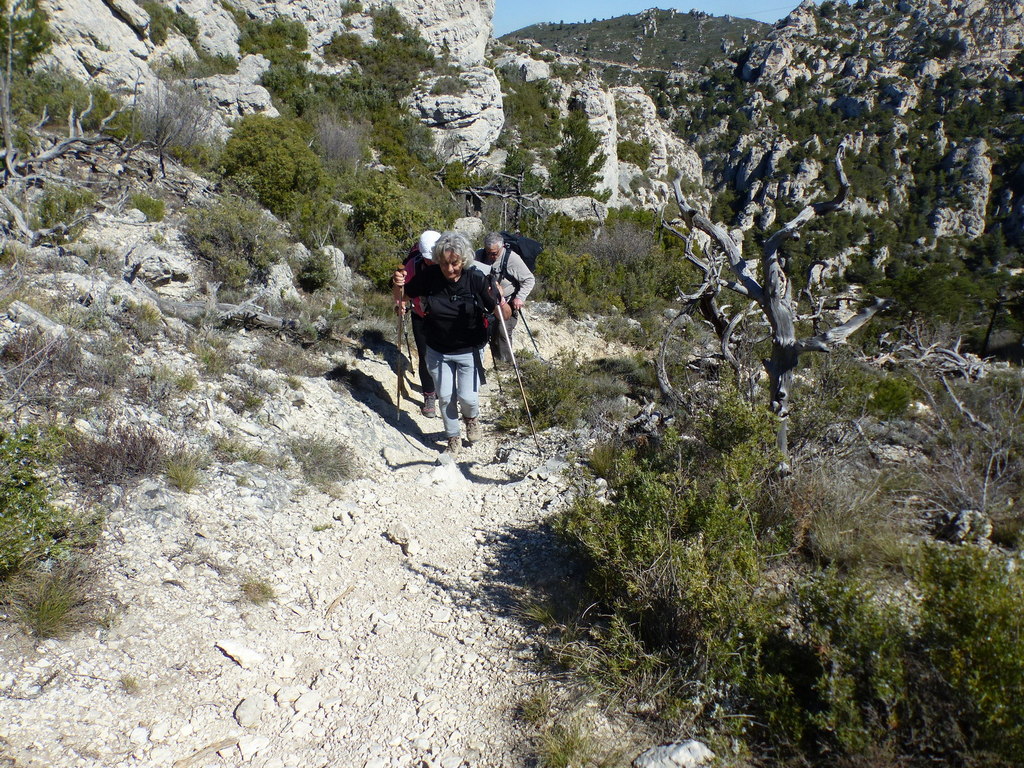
510, 15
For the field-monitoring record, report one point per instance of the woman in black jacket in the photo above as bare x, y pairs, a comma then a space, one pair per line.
456, 298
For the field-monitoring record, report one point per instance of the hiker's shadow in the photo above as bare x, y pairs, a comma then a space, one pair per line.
525, 567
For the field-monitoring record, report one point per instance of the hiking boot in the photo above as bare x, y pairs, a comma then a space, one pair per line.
429, 408
454, 446
472, 429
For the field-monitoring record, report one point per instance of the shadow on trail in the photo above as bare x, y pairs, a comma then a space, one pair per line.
524, 566
367, 390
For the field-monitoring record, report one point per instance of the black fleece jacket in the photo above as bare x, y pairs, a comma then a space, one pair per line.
454, 321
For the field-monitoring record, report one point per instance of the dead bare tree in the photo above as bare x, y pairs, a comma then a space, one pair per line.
725, 267
508, 189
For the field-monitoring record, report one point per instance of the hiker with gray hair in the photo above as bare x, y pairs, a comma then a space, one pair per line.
515, 281
456, 300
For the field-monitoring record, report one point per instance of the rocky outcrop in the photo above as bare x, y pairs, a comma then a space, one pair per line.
521, 67
965, 214
638, 122
579, 208
218, 33
108, 43
239, 94
459, 29
465, 124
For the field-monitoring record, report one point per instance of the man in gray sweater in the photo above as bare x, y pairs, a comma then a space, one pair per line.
515, 280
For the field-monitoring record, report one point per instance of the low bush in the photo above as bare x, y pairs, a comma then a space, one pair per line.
64, 209
236, 239
123, 453
317, 273
970, 635
562, 393
639, 154
32, 526
153, 207
272, 158
162, 19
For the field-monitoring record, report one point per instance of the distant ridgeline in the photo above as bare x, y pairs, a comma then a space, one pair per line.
654, 38
930, 95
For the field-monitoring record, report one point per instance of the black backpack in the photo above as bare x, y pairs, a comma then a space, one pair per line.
525, 246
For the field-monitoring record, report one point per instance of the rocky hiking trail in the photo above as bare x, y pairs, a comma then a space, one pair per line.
395, 637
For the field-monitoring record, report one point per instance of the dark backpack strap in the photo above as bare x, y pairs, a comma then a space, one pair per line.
503, 269
479, 364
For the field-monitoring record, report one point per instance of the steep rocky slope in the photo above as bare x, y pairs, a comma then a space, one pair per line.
390, 629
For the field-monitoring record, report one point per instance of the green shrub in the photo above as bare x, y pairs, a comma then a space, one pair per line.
891, 398
32, 527
386, 218
834, 681
57, 96
65, 208
271, 157
162, 19
578, 160
971, 627
24, 34
449, 85
317, 273
281, 40
238, 240
634, 152
674, 555
153, 207
562, 393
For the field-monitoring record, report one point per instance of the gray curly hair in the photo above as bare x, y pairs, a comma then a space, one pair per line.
457, 243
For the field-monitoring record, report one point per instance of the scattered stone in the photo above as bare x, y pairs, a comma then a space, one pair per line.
248, 711
683, 754
251, 744
240, 654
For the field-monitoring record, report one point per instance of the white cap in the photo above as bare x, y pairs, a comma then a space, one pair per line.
427, 240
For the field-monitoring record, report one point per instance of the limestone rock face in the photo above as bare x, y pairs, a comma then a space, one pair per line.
92, 42
459, 27
462, 27
522, 67
638, 122
465, 125
239, 94
218, 33
580, 208
966, 215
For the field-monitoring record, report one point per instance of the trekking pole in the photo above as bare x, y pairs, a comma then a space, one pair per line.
529, 333
401, 363
408, 352
515, 367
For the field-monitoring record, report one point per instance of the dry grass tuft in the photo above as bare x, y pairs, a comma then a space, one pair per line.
54, 602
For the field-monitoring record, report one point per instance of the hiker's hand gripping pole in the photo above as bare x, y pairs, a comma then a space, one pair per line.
500, 314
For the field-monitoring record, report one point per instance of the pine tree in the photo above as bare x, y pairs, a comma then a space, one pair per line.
577, 161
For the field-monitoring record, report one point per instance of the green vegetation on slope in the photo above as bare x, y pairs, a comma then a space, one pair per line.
659, 39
